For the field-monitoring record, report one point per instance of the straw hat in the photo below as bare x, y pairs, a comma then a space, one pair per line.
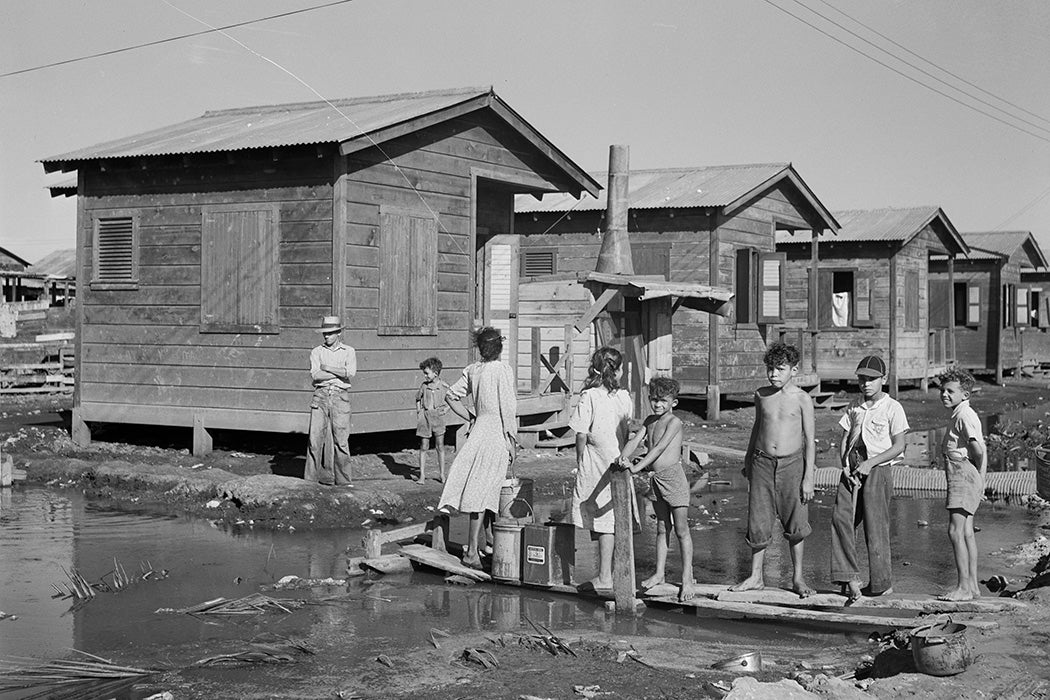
330, 324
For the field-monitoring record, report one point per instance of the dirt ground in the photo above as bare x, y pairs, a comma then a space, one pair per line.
255, 480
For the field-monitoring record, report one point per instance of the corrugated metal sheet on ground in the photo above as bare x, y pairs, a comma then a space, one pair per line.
278, 125
933, 481
875, 225
709, 186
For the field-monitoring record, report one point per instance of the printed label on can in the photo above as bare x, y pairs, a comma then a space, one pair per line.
536, 555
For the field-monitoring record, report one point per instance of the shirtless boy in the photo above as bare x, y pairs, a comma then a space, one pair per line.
779, 467
663, 437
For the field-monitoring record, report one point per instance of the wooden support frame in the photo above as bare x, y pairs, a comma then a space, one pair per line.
202, 441
624, 586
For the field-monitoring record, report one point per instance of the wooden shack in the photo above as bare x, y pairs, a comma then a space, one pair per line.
209, 250
984, 301
710, 225
1035, 340
872, 284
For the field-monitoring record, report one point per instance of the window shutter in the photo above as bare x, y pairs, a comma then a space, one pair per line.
535, 263
239, 269
863, 299
1022, 306
941, 311
911, 300
743, 285
115, 259
825, 290
652, 259
771, 287
407, 273
973, 305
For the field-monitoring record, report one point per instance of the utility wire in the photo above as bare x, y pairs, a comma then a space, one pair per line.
905, 75
929, 62
1023, 209
923, 70
174, 38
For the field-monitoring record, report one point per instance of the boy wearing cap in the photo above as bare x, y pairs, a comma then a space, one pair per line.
332, 363
873, 431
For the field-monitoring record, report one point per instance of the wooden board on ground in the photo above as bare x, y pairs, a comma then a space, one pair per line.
758, 611
918, 603
786, 598
388, 564
444, 561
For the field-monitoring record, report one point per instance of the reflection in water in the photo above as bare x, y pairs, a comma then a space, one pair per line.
42, 531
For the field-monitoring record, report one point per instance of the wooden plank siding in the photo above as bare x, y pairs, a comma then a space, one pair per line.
686, 233
143, 357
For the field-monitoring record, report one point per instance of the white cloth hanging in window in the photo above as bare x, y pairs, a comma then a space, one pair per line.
840, 309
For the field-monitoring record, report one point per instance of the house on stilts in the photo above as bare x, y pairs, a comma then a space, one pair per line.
987, 303
208, 251
873, 291
711, 226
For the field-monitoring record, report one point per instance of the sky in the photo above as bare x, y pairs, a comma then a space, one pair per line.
681, 82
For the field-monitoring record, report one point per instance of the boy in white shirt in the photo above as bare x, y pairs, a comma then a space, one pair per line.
873, 433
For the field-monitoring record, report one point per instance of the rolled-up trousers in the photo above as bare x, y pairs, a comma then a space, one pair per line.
867, 502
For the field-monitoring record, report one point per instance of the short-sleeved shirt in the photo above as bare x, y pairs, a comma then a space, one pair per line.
431, 395
878, 423
965, 425
339, 355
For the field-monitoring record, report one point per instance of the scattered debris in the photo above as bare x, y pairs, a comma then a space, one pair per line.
590, 691
385, 660
482, 657
65, 672
253, 604
214, 503
7, 616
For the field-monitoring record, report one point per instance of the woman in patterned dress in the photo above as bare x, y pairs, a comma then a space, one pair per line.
477, 473
601, 424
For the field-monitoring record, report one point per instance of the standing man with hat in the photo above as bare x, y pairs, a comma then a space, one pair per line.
332, 363
873, 433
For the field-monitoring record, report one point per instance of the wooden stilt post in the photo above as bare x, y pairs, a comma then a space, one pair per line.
81, 433
202, 443
624, 585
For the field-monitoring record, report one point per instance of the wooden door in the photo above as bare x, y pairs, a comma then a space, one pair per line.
496, 292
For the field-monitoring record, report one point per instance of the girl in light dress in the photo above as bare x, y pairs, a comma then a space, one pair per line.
601, 424
477, 473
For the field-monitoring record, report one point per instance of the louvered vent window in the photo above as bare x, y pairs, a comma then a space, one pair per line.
115, 255
535, 263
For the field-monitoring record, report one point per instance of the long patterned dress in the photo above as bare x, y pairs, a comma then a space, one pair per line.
477, 473
604, 417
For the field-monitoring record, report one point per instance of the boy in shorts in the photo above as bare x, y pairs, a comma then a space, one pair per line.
431, 410
662, 432
779, 467
965, 465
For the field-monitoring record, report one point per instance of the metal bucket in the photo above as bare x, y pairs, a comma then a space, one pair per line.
941, 649
506, 549
515, 500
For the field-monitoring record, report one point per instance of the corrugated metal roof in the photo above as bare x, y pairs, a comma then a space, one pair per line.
706, 186
1001, 243
60, 263
67, 187
883, 224
277, 125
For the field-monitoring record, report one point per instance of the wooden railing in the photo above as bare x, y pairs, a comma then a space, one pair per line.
551, 371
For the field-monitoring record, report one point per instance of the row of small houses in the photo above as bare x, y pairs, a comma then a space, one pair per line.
208, 251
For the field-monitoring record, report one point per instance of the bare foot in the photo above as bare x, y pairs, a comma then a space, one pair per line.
956, 594
598, 584
799, 586
751, 583
687, 592
852, 591
421, 479
653, 580
441, 479
976, 591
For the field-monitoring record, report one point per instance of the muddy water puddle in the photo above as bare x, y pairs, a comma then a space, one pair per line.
43, 533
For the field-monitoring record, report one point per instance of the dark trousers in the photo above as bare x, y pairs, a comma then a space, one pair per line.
329, 422
867, 502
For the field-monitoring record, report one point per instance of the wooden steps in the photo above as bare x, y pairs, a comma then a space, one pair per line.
552, 433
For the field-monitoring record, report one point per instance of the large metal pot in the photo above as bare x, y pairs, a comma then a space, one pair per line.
941, 649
